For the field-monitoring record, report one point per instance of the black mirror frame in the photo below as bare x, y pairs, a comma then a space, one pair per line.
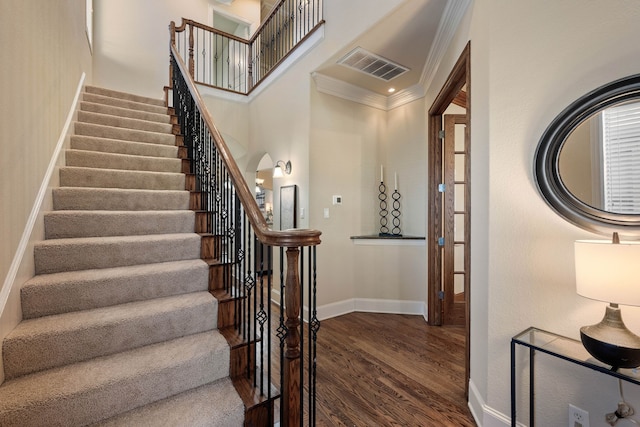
546, 164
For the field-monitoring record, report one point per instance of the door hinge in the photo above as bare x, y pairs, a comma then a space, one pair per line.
441, 134
440, 241
441, 188
441, 295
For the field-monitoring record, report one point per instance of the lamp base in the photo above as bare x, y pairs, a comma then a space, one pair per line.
611, 342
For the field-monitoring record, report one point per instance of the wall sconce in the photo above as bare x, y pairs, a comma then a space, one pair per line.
259, 183
609, 271
281, 168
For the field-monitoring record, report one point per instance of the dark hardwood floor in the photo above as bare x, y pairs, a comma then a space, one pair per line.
390, 370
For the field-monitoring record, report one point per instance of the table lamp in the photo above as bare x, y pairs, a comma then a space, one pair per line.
610, 272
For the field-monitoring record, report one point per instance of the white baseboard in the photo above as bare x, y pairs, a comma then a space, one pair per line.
22, 265
339, 308
484, 415
42, 192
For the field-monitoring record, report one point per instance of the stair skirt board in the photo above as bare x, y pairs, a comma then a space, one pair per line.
119, 327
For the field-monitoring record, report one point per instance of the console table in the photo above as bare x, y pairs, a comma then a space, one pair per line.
537, 340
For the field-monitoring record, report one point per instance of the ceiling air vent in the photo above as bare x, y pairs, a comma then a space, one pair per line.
372, 64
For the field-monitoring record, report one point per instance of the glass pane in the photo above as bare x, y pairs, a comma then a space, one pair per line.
458, 257
458, 283
459, 172
458, 227
458, 203
459, 144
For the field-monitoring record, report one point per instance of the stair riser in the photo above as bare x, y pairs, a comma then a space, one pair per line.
121, 103
90, 129
124, 112
103, 400
123, 122
105, 178
59, 255
92, 143
66, 292
92, 159
123, 95
61, 225
119, 199
52, 348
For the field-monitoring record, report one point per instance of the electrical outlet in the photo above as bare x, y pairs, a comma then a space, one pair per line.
578, 417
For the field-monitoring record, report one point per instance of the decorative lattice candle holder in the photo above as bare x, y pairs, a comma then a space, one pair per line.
395, 213
382, 196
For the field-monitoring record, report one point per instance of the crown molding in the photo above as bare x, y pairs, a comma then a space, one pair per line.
342, 89
405, 96
348, 91
451, 17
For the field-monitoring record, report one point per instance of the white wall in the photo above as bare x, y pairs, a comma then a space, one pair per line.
132, 42
530, 59
44, 54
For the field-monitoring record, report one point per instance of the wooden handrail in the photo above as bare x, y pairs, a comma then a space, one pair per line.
186, 22
285, 238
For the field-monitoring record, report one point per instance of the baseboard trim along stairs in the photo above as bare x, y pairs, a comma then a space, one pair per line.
119, 327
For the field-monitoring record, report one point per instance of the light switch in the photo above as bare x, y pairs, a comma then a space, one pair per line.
301, 213
326, 212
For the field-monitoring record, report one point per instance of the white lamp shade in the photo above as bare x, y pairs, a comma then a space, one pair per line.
608, 272
277, 172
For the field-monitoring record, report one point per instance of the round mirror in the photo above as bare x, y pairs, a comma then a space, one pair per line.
587, 164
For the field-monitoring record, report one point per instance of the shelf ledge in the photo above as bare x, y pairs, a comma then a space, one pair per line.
375, 240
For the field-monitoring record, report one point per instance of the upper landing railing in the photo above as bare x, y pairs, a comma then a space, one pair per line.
224, 61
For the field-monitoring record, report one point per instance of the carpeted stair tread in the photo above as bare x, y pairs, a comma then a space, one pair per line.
57, 255
73, 176
82, 198
124, 112
117, 146
213, 405
92, 129
124, 95
123, 122
68, 291
85, 223
100, 160
91, 391
52, 341
123, 103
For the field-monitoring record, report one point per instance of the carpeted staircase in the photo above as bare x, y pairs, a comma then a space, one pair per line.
119, 328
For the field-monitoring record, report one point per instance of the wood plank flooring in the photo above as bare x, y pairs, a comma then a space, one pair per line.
390, 370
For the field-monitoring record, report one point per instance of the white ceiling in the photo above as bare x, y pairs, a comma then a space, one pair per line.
404, 37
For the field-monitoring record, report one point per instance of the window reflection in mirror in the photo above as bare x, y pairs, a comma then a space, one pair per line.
600, 160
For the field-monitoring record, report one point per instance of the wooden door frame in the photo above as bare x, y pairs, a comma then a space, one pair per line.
459, 77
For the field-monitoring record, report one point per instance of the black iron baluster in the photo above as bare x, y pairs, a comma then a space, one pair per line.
269, 317
314, 326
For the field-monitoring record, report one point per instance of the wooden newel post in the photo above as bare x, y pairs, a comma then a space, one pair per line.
192, 68
291, 387
172, 42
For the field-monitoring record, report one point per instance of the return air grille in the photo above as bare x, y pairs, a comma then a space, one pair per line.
372, 64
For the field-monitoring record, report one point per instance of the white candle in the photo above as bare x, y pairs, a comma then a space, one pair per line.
396, 181
381, 178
